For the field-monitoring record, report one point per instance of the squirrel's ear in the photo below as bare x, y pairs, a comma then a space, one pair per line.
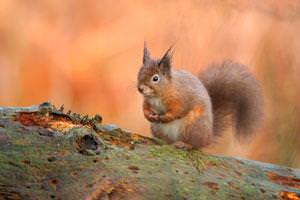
165, 61
146, 55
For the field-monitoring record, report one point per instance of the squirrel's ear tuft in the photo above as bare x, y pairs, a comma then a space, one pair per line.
146, 55
165, 61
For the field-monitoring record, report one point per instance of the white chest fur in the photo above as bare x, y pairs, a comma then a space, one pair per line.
170, 130
157, 105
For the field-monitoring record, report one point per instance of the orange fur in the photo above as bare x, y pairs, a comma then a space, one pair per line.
191, 118
194, 114
146, 109
173, 106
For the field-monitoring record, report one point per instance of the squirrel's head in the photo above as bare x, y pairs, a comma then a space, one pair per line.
155, 74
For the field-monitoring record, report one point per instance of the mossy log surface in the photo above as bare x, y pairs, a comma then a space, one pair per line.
48, 154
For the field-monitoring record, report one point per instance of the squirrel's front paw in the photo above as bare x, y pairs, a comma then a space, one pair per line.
152, 117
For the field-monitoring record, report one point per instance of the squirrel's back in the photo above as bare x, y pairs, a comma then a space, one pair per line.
235, 93
190, 88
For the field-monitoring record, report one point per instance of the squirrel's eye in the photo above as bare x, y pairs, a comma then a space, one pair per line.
155, 78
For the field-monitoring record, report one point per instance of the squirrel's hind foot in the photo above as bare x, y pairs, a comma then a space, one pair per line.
182, 145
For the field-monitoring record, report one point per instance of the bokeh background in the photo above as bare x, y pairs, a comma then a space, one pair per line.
86, 54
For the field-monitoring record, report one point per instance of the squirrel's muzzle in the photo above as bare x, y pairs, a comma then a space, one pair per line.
145, 90
141, 89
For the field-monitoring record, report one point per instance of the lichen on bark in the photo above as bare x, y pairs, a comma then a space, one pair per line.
48, 154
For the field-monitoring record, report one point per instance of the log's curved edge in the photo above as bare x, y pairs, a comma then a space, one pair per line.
46, 153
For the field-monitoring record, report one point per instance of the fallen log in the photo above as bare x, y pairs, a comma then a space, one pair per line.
46, 153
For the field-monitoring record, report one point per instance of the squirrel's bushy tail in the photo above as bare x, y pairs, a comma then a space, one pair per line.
235, 93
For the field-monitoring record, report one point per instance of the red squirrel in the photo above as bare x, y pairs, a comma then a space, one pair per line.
190, 111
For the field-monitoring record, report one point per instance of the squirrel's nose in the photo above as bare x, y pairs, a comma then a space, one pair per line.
141, 89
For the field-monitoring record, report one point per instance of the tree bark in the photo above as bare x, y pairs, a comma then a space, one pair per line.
48, 154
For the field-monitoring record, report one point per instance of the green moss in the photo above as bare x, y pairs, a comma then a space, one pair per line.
197, 161
196, 157
250, 192
153, 171
168, 151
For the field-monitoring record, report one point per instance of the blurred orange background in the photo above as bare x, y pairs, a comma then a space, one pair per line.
86, 55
